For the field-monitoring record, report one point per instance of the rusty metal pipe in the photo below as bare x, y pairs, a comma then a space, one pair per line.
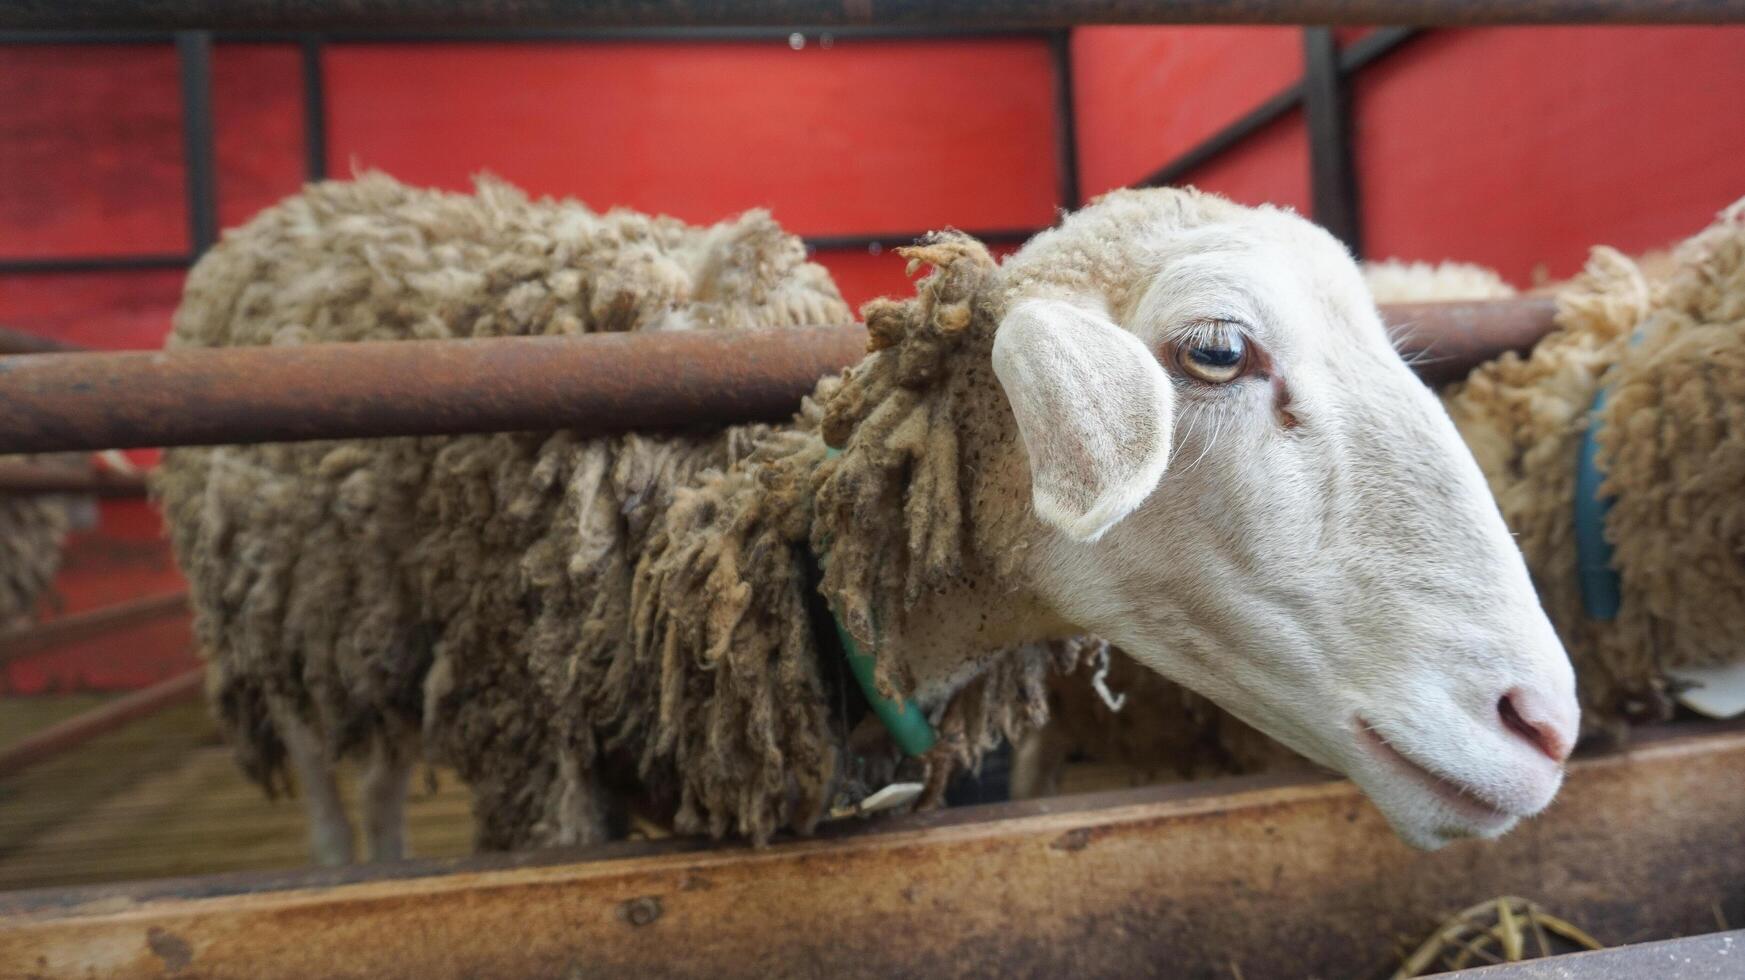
412, 15
23, 476
1445, 341
16, 644
59, 739
19, 342
591, 384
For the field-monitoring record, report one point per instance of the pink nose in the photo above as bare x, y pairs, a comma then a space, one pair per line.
1537, 721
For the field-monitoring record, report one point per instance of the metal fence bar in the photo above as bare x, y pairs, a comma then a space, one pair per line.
23, 476
1332, 178
994, 236
1362, 53
314, 109
92, 263
1065, 121
414, 15
199, 163
594, 383
57, 740
23, 642
20, 342
673, 35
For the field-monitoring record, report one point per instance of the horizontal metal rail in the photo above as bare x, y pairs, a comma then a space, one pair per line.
58, 739
1224, 878
22, 476
595, 383
20, 342
25, 641
874, 242
403, 15
784, 33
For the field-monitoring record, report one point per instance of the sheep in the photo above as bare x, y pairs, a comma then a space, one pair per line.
32, 528
1170, 421
1666, 338
33, 531
1673, 462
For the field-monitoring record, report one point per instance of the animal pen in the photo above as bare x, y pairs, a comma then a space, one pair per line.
1275, 875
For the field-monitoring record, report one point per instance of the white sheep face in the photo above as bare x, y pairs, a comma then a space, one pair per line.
1248, 490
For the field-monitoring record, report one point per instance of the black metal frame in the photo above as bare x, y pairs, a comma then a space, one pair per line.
1332, 179
1319, 92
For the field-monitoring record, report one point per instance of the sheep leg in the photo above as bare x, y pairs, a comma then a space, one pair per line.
385, 783
1037, 761
330, 839
577, 815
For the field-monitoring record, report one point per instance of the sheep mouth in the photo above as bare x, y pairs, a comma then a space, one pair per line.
1457, 796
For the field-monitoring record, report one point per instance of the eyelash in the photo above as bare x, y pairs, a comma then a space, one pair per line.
1214, 353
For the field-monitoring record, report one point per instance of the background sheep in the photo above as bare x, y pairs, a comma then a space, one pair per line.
574, 623
32, 528
1673, 459
1671, 349
329, 578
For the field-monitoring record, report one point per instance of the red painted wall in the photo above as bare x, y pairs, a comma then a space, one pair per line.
1516, 148
1145, 95
1521, 148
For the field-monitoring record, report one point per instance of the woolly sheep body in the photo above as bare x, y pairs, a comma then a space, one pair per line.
1671, 449
32, 528
460, 586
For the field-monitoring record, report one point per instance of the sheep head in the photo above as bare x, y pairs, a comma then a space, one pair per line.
1241, 483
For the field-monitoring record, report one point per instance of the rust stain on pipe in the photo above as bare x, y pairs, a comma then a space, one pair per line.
70, 734
592, 384
1292, 880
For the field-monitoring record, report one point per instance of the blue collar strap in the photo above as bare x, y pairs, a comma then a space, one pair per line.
1601, 587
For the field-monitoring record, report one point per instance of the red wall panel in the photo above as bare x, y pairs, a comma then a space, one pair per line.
257, 117
1517, 148
862, 275
120, 310
860, 138
1145, 95
127, 559
90, 151
1270, 167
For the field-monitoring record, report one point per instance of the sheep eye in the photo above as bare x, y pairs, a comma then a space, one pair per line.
1216, 354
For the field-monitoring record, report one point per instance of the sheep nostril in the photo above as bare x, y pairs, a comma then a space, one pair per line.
1542, 736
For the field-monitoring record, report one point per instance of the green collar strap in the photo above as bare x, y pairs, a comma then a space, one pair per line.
904, 719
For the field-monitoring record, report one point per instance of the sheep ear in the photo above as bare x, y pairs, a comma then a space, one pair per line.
1094, 409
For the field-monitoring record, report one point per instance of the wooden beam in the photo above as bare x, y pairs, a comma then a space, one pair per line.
1196, 880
